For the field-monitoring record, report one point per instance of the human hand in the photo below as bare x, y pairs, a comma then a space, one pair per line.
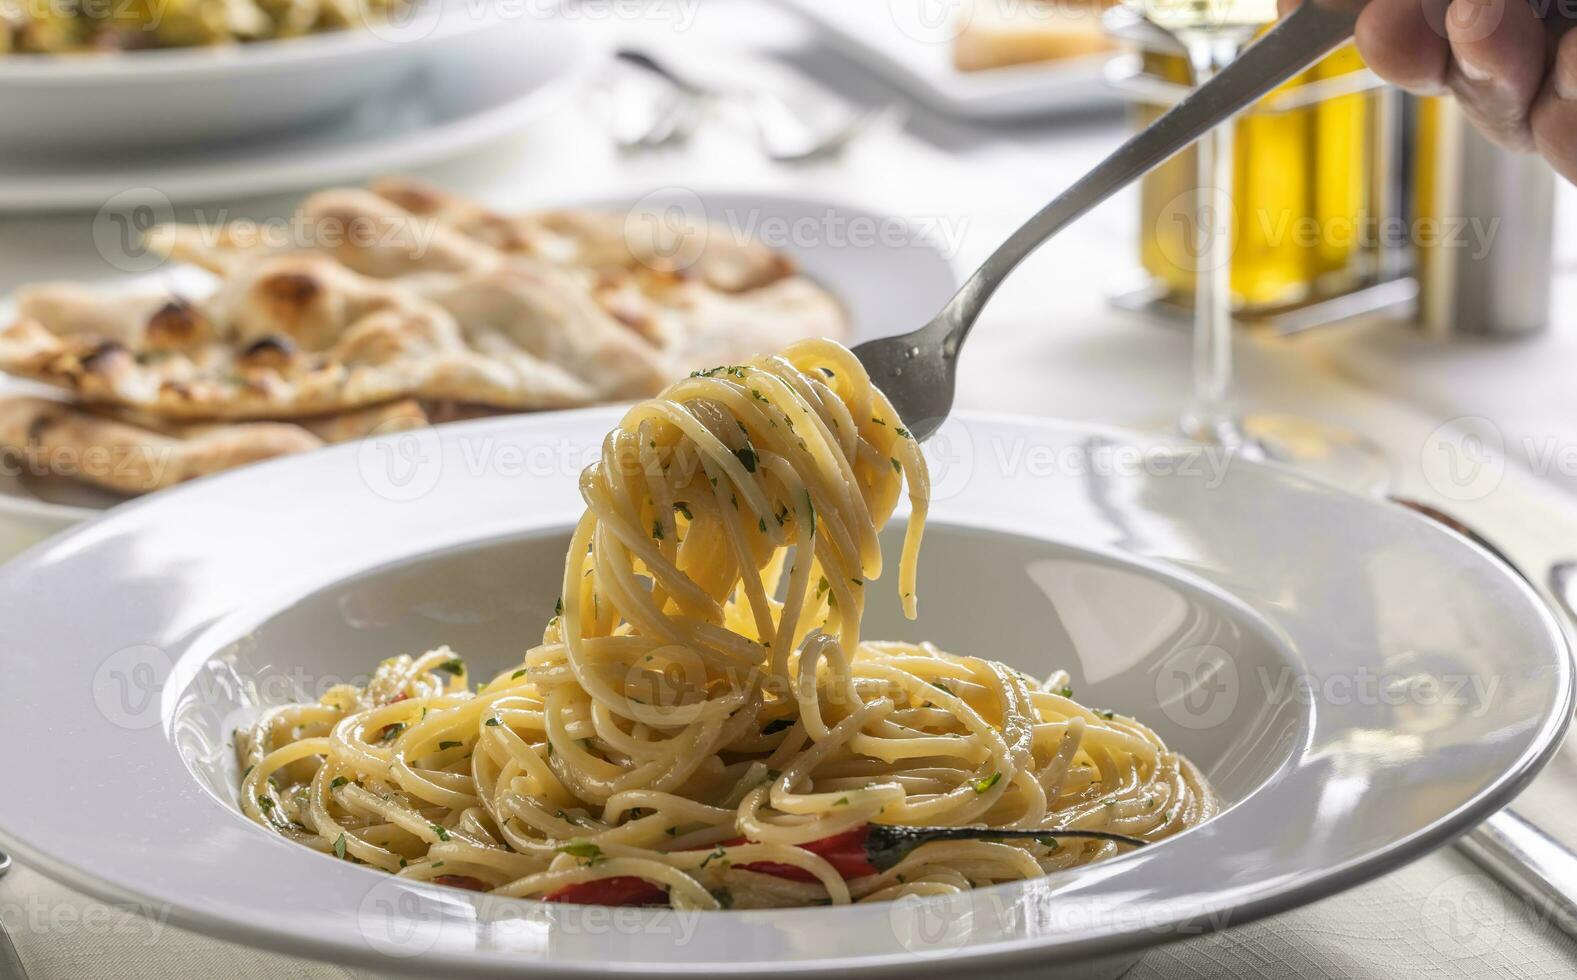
1513, 72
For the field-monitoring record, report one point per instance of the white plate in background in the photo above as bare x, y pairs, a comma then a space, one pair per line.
459, 93
910, 43
114, 102
890, 274
1359, 684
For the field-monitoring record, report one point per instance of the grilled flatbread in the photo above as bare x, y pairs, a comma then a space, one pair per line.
405, 306
65, 440
1001, 33
119, 454
284, 336
701, 291
666, 241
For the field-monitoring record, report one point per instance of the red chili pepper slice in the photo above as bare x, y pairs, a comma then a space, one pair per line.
462, 881
845, 852
619, 890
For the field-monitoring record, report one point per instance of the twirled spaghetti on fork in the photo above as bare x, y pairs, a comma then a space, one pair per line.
701, 724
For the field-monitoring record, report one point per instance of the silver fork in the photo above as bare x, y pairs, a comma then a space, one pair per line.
917, 370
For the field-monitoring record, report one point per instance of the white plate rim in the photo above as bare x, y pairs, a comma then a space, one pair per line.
186, 180
1539, 748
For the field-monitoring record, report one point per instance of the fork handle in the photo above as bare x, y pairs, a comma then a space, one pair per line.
1303, 37
1528, 861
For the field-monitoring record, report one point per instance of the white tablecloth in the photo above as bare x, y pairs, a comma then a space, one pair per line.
1050, 346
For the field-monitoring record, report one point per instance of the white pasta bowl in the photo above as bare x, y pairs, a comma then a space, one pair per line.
1359, 685
146, 101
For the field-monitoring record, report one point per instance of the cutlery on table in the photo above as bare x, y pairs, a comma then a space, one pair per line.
782, 134
1515, 851
1563, 583
10, 960
651, 123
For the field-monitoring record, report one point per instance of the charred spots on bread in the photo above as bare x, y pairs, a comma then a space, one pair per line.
175, 324
102, 357
41, 423
409, 195
292, 290
273, 351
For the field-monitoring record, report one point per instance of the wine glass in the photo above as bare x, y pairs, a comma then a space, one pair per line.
1212, 33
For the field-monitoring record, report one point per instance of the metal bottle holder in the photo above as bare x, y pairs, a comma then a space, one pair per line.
1328, 282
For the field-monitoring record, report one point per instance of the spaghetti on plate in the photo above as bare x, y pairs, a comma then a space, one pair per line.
702, 725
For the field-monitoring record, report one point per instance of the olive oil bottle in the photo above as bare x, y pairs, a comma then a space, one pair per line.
1301, 189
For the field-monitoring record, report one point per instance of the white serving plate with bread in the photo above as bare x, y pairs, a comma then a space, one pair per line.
917, 45
855, 271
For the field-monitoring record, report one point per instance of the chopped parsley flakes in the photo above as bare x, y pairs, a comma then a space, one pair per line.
583, 849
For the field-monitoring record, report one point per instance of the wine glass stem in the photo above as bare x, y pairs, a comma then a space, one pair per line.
1211, 416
